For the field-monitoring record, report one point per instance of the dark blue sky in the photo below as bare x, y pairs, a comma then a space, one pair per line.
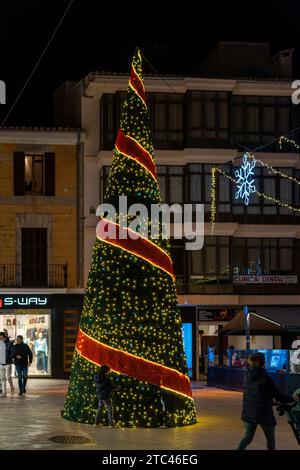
95, 36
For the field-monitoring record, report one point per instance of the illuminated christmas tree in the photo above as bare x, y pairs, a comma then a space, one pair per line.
130, 319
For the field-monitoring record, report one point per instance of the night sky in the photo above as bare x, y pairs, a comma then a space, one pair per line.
94, 36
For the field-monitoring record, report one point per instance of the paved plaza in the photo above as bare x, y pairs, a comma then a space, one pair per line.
28, 423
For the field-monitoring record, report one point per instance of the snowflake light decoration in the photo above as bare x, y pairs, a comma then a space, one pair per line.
245, 182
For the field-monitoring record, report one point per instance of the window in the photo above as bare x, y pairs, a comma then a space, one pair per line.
170, 179
166, 119
176, 184
252, 119
262, 256
211, 264
34, 257
207, 186
269, 188
259, 119
224, 190
196, 183
199, 186
34, 174
171, 183
273, 185
286, 190
35, 327
207, 117
166, 115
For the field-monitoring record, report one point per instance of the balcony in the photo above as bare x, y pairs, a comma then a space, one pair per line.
20, 275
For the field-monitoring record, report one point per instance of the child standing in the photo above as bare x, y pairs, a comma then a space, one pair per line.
104, 392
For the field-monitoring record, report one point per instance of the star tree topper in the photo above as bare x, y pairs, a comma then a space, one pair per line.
245, 181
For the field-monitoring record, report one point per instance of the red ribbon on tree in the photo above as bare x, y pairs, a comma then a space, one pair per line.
132, 149
137, 84
131, 241
131, 365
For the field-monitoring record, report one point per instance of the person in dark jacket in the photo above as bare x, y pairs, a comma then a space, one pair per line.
6, 351
22, 356
104, 392
259, 392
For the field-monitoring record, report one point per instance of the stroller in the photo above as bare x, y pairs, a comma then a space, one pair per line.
292, 413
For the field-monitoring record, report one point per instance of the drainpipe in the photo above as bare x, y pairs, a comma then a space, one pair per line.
78, 210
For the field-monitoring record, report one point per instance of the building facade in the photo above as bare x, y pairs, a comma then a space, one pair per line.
199, 122
41, 242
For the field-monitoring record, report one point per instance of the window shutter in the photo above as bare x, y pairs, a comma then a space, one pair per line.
19, 173
50, 174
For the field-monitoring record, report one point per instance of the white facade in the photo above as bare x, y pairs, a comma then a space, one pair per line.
93, 88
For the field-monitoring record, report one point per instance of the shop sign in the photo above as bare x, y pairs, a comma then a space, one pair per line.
24, 301
223, 314
205, 315
265, 279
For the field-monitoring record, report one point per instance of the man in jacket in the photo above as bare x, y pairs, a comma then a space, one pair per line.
6, 352
259, 393
22, 356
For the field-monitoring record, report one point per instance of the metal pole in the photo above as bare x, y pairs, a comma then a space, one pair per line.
247, 326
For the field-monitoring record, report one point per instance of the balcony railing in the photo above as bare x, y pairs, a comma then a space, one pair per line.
18, 275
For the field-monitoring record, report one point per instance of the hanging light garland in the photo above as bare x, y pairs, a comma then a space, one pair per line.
271, 169
283, 138
213, 206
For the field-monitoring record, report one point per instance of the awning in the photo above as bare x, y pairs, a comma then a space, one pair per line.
266, 320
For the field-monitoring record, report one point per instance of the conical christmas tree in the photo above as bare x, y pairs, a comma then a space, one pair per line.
130, 319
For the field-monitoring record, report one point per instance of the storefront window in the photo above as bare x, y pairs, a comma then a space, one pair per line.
35, 327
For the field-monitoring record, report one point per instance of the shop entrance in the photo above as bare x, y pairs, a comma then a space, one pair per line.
209, 344
35, 327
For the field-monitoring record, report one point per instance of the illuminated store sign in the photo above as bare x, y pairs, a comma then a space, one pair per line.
187, 336
291, 279
224, 314
24, 301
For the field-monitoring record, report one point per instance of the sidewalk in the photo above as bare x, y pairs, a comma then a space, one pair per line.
28, 423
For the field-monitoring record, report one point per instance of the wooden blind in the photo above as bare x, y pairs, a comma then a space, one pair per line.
71, 324
19, 173
49, 174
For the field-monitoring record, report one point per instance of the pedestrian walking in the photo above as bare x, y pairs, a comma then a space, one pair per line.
259, 392
6, 353
22, 356
104, 391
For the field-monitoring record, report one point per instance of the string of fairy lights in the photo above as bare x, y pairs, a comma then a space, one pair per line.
130, 304
250, 155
